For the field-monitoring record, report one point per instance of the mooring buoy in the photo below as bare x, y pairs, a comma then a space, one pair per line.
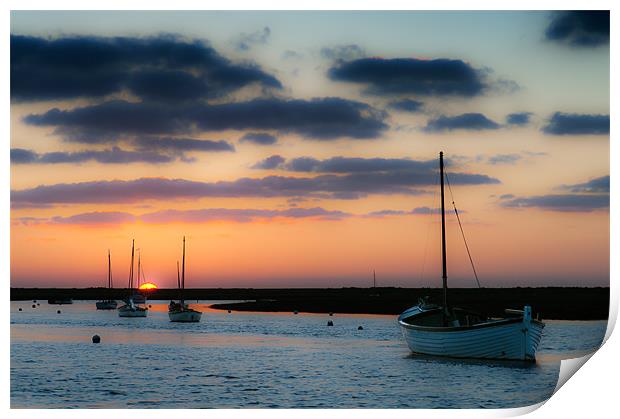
34, 301
58, 311
295, 312
33, 306
229, 311
360, 328
96, 339
149, 306
330, 323
20, 309
331, 314
38, 304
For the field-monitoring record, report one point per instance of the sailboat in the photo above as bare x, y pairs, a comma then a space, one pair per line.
107, 304
137, 297
130, 308
181, 312
442, 330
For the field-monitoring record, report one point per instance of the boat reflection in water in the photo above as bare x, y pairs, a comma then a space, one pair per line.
441, 330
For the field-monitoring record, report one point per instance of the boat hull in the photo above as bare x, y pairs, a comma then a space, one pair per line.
127, 311
106, 305
185, 316
509, 339
60, 301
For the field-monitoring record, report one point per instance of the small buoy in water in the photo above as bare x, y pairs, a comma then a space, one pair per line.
34, 301
331, 314
33, 306
360, 328
38, 304
149, 306
20, 309
229, 311
295, 312
96, 339
330, 323
58, 311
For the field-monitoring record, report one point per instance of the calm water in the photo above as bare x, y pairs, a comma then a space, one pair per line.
263, 360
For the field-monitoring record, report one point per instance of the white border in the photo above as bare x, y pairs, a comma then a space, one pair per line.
592, 393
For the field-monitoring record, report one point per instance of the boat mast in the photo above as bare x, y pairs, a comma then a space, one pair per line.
443, 240
183, 271
138, 284
109, 271
131, 269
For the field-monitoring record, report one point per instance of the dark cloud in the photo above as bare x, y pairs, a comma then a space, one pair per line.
269, 163
261, 138
112, 156
247, 40
504, 159
439, 77
466, 121
170, 86
597, 185
567, 202
172, 144
351, 186
358, 165
322, 119
519, 118
583, 197
579, 28
577, 124
22, 156
164, 68
406, 105
343, 52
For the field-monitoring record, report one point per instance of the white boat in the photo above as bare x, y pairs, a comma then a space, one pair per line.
181, 312
441, 330
107, 304
130, 308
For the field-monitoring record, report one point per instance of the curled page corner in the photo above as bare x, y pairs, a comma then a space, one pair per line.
568, 368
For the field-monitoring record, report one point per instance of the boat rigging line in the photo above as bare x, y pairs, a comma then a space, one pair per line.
462, 232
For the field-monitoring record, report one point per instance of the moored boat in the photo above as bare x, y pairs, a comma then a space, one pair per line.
107, 304
441, 330
130, 308
181, 312
60, 301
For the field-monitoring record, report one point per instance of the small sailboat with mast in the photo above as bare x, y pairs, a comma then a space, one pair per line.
442, 330
181, 312
107, 304
130, 308
137, 297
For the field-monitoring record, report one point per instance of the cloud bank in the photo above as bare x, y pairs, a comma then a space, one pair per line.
438, 77
579, 28
162, 68
577, 124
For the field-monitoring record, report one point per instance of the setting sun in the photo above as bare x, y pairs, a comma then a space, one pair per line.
148, 286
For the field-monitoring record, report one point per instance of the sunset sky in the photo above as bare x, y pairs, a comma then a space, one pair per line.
299, 149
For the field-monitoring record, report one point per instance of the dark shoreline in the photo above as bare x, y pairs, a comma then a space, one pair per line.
560, 303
